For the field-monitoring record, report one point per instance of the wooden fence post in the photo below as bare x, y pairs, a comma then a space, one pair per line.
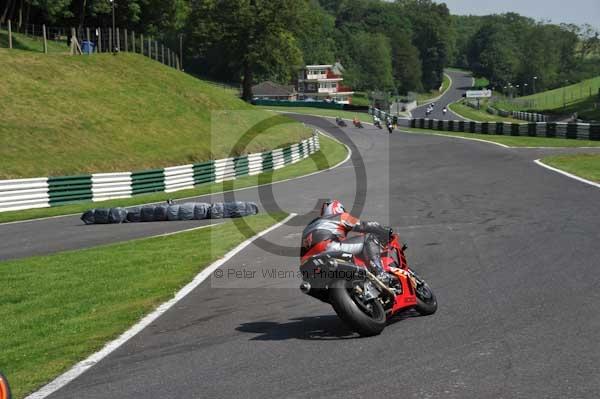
169, 57
162, 49
110, 41
99, 39
133, 41
118, 40
156, 50
87, 35
142, 44
45, 39
125, 37
9, 35
149, 48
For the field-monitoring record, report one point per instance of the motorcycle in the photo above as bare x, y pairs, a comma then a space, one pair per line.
360, 299
377, 123
358, 124
340, 122
390, 127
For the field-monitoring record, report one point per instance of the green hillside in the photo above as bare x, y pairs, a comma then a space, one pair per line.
64, 115
29, 43
581, 97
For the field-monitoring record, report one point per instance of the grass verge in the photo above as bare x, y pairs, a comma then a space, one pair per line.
582, 165
332, 152
513, 141
58, 309
477, 115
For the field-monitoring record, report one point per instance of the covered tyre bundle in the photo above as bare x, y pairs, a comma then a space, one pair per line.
148, 213
104, 216
186, 211
171, 212
161, 213
216, 210
134, 215
239, 209
117, 215
201, 211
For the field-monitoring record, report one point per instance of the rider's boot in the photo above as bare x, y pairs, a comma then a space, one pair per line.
372, 251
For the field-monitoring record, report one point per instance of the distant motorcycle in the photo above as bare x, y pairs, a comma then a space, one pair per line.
390, 127
357, 123
377, 123
340, 122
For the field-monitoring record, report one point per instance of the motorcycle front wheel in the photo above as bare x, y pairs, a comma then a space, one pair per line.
366, 319
426, 300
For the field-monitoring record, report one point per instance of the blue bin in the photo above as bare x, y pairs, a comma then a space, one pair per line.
88, 47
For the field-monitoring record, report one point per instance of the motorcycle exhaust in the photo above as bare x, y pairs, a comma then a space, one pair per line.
381, 285
305, 287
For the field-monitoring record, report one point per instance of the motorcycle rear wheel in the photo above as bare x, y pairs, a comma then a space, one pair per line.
351, 313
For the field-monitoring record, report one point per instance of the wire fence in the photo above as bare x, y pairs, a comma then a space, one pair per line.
554, 99
86, 40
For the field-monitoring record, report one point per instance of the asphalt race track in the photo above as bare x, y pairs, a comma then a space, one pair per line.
461, 81
510, 248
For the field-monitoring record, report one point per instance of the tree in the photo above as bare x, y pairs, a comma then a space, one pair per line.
406, 67
369, 62
316, 35
493, 55
254, 37
431, 36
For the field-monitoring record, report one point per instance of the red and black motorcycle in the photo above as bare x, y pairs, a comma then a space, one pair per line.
359, 298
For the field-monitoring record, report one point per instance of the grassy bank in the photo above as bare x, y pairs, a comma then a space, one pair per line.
56, 310
425, 97
478, 115
579, 97
331, 154
513, 141
582, 165
66, 115
31, 43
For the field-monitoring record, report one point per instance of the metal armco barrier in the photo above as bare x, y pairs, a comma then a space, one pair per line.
529, 116
581, 131
44, 192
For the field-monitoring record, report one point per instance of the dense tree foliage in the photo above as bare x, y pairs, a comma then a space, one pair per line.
396, 46
512, 49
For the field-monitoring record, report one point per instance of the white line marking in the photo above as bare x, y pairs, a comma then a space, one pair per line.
562, 172
84, 365
208, 194
180, 231
458, 137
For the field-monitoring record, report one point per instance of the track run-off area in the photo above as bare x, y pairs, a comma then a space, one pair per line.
510, 248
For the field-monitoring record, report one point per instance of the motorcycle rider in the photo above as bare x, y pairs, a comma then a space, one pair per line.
328, 233
376, 121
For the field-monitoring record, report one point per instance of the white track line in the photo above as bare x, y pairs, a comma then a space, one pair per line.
84, 365
207, 194
562, 172
459, 137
